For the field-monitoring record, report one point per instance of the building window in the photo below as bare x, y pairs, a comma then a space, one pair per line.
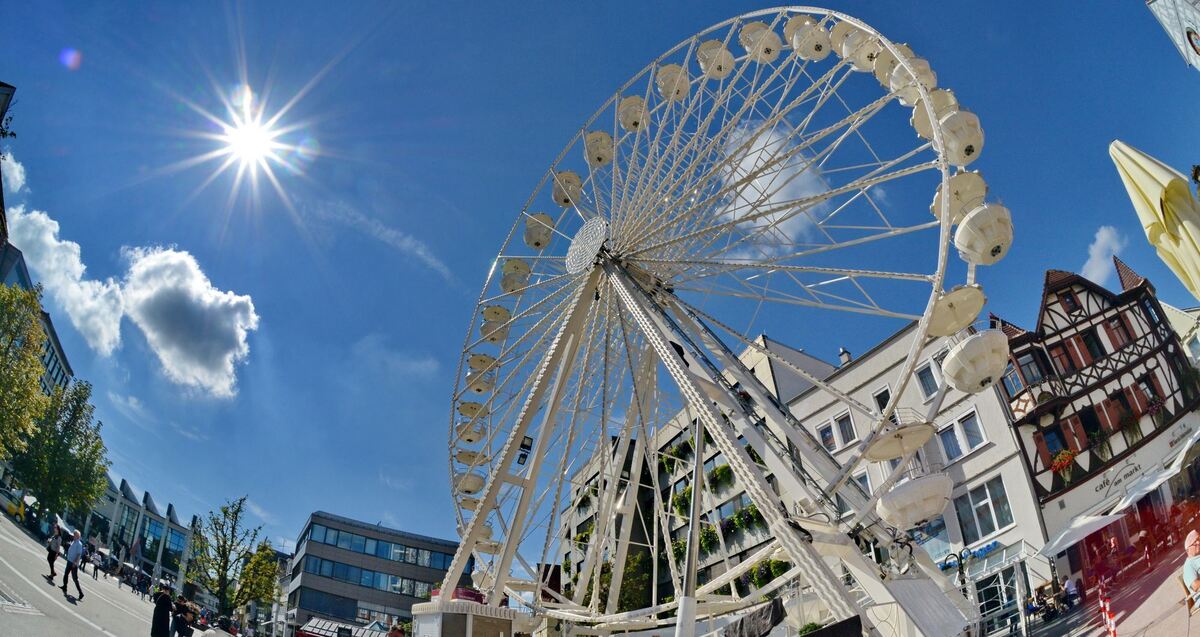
825, 433
845, 428
1118, 332
1053, 437
882, 398
1030, 370
961, 437
1147, 386
1148, 308
1069, 302
1012, 381
1194, 347
1062, 361
1092, 343
864, 480
926, 381
995, 594
983, 510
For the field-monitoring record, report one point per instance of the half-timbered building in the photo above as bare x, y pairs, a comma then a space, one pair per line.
1101, 393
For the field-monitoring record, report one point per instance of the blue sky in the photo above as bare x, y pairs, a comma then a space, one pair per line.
338, 324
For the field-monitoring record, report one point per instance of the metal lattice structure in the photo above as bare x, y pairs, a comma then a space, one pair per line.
759, 174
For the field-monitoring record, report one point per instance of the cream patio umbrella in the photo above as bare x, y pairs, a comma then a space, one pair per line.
1169, 213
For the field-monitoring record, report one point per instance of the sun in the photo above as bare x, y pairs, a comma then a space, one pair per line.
250, 141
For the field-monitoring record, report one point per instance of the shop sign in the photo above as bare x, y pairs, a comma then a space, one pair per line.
1177, 437
1115, 478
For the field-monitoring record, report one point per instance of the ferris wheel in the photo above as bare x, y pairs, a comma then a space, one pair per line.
772, 172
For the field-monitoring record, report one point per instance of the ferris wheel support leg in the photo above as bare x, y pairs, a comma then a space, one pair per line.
649, 317
557, 362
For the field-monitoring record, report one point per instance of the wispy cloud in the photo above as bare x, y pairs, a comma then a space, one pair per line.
408, 245
188, 432
373, 353
132, 409
1108, 242
262, 514
394, 483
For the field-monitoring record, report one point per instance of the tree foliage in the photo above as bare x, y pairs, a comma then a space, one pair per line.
21, 342
65, 461
227, 558
259, 577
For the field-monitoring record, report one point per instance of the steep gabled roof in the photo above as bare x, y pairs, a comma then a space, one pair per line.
1125, 274
788, 383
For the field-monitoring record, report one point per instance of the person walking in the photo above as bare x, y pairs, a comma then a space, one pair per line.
222, 629
1070, 594
182, 627
95, 564
160, 623
74, 556
53, 544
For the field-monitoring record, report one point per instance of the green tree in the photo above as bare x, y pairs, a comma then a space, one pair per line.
21, 342
225, 547
65, 460
259, 578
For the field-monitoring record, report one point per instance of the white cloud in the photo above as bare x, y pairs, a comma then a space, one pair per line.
188, 432
1099, 267
768, 185
262, 514
94, 307
198, 331
13, 173
403, 242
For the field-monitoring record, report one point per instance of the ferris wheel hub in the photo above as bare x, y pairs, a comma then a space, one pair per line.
586, 245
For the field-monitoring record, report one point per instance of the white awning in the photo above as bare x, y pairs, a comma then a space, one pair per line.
1143, 486
1079, 528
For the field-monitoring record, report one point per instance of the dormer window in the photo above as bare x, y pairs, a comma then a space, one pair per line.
1069, 301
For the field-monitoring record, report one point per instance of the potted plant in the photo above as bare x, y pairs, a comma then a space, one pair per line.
720, 476
1098, 441
1063, 463
1130, 427
1157, 411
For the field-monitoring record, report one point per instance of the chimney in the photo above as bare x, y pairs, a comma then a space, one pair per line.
843, 355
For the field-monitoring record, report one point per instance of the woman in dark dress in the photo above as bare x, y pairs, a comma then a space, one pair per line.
160, 624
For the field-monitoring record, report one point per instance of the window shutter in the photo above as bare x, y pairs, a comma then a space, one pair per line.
1133, 395
1042, 453
1157, 385
1082, 356
1133, 336
1114, 339
1073, 432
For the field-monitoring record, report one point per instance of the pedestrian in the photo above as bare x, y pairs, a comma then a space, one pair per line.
53, 543
182, 627
95, 565
74, 556
1191, 566
160, 623
1070, 592
396, 630
222, 629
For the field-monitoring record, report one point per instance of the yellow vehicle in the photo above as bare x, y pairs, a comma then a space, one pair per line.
14, 503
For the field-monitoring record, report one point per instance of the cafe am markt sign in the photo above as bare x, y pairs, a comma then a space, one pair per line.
1105, 489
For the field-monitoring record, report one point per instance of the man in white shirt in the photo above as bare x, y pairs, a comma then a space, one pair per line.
1191, 566
74, 555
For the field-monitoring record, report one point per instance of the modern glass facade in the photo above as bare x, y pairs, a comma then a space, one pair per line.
379, 548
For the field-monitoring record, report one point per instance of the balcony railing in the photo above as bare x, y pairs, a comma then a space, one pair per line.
1044, 392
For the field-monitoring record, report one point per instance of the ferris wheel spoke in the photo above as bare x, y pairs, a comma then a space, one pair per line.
763, 294
779, 160
732, 126
714, 267
851, 402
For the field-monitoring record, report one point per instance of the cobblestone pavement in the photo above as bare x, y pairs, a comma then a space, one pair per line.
30, 605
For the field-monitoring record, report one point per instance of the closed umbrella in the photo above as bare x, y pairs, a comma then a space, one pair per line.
1170, 215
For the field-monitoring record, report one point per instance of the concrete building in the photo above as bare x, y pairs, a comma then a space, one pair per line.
1101, 392
352, 571
136, 531
992, 517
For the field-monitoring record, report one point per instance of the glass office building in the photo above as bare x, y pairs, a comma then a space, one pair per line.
351, 571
